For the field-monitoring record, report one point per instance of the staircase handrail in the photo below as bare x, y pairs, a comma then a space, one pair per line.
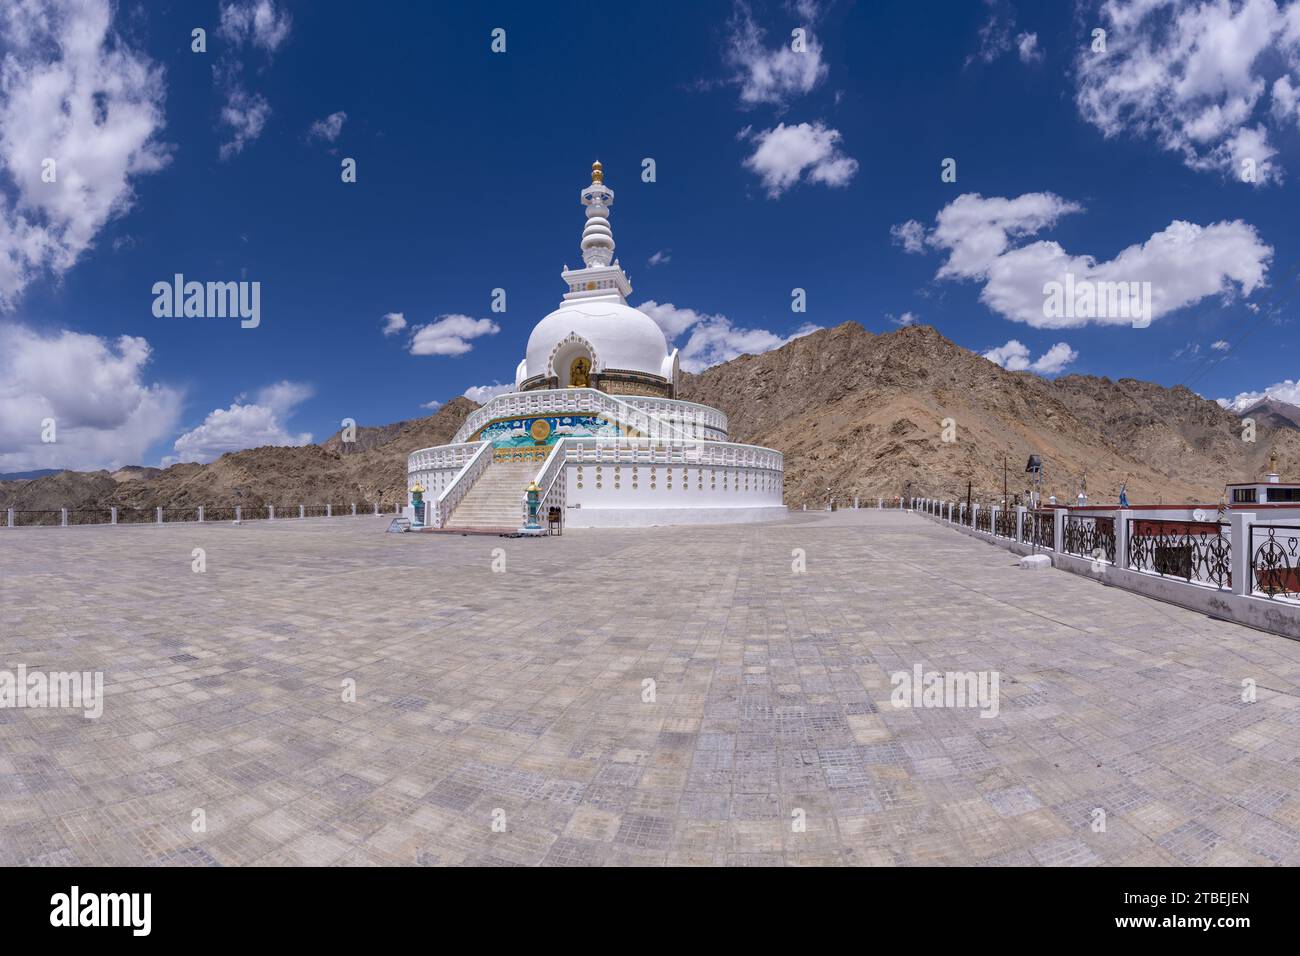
550, 479
459, 486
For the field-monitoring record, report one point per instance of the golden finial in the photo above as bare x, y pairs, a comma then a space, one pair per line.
597, 172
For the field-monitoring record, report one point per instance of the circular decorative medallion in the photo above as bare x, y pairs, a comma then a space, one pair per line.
540, 430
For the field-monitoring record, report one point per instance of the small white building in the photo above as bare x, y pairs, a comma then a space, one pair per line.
594, 421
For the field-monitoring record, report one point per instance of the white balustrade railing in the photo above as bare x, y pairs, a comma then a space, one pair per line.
442, 456
688, 452
451, 495
649, 416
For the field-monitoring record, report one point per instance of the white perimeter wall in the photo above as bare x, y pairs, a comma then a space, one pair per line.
627, 486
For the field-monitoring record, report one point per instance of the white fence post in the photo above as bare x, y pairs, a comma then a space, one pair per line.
1242, 578
302, 511
329, 511
200, 514
271, 510
1122, 516
158, 515
354, 509
1020, 522
1058, 529
376, 509
10, 516
63, 517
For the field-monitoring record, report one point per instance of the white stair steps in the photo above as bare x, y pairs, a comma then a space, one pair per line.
494, 499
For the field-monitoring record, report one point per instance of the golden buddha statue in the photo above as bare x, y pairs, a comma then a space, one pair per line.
578, 373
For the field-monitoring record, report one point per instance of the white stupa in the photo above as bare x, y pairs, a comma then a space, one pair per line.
594, 421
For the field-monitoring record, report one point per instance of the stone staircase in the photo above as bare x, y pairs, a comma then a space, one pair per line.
495, 499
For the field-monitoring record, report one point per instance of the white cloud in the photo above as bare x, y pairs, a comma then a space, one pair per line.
904, 320
433, 405
995, 34
245, 114
482, 393
1192, 74
786, 154
1219, 346
910, 235
105, 414
394, 322
975, 231
772, 76
1286, 101
450, 335
74, 92
1027, 46
713, 339
1284, 391
1014, 357
245, 425
328, 128
256, 22
1184, 263
670, 318
660, 257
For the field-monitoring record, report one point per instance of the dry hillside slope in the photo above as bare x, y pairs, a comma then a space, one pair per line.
862, 414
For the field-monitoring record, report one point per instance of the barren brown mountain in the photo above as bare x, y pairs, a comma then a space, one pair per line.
854, 413
862, 414
329, 473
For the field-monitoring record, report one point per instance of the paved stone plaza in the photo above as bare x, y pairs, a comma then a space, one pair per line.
517, 695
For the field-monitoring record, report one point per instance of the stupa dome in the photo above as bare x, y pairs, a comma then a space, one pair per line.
615, 336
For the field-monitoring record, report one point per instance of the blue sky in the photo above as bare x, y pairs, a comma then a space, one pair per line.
775, 169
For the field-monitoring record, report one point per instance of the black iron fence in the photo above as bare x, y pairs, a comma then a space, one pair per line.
1275, 560
1089, 536
983, 520
136, 515
1039, 528
36, 519
53, 518
1005, 525
1198, 552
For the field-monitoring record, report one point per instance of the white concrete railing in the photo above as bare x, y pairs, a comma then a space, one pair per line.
1207, 566
436, 515
703, 415
687, 452
441, 456
641, 414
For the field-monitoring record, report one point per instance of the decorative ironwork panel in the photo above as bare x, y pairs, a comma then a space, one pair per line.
1089, 536
983, 520
1197, 551
1039, 529
1006, 524
1275, 560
